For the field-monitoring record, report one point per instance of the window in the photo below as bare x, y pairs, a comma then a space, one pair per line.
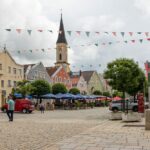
20, 71
2, 83
9, 69
9, 83
56, 79
59, 79
15, 83
14, 70
0, 66
60, 56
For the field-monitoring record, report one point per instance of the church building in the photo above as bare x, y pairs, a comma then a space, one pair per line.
61, 49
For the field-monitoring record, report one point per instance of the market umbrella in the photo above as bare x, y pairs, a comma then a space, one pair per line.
79, 96
117, 98
47, 96
68, 96
18, 95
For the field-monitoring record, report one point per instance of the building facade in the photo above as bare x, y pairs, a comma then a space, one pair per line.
10, 74
62, 49
59, 75
34, 72
93, 81
79, 82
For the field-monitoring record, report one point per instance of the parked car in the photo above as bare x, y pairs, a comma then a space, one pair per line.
21, 105
130, 104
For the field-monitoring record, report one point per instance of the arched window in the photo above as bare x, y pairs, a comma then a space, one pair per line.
60, 56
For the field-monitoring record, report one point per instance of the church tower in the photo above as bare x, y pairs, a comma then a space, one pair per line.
61, 48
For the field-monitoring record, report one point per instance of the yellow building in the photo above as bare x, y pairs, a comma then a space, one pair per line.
10, 73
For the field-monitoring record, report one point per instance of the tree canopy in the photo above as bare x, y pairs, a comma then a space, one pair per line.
59, 88
124, 75
41, 87
97, 92
23, 87
74, 91
106, 94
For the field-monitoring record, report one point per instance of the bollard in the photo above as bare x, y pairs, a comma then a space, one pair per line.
147, 119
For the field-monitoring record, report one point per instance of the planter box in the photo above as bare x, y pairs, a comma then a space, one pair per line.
131, 117
115, 115
147, 119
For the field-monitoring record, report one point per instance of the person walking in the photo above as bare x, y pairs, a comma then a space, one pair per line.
11, 107
42, 108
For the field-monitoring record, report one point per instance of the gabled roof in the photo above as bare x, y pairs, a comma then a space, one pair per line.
61, 33
87, 75
51, 70
6, 52
27, 65
75, 79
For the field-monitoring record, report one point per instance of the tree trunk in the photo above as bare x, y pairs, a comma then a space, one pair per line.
123, 102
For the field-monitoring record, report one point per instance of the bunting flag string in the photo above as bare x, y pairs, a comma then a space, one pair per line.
83, 45
69, 32
78, 32
8, 30
114, 33
131, 33
29, 32
122, 33
50, 31
40, 30
85, 66
18, 30
87, 33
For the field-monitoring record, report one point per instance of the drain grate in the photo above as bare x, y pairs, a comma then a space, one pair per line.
134, 125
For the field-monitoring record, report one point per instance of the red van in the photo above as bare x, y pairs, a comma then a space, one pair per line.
21, 105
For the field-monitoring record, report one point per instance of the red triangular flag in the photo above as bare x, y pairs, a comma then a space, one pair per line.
148, 39
131, 33
18, 30
147, 33
40, 30
97, 32
114, 33
78, 32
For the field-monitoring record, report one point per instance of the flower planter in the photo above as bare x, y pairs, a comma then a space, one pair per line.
115, 115
131, 117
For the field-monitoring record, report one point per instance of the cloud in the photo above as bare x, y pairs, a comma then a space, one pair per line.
143, 6
94, 15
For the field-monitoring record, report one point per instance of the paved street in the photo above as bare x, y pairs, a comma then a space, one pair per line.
71, 130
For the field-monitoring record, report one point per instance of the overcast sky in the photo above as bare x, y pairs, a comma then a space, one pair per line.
78, 15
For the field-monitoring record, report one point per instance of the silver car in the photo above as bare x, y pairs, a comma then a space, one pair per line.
129, 105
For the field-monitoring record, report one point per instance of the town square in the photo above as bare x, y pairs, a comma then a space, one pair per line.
74, 75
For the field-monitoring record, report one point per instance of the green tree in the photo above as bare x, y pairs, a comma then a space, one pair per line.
59, 88
123, 75
106, 94
23, 87
74, 91
117, 93
139, 84
41, 87
97, 92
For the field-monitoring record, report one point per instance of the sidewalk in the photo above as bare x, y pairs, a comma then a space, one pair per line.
110, 135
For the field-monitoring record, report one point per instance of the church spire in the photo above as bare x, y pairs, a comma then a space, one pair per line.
61, 35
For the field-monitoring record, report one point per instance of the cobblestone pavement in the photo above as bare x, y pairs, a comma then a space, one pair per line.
71, 130
43, 131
